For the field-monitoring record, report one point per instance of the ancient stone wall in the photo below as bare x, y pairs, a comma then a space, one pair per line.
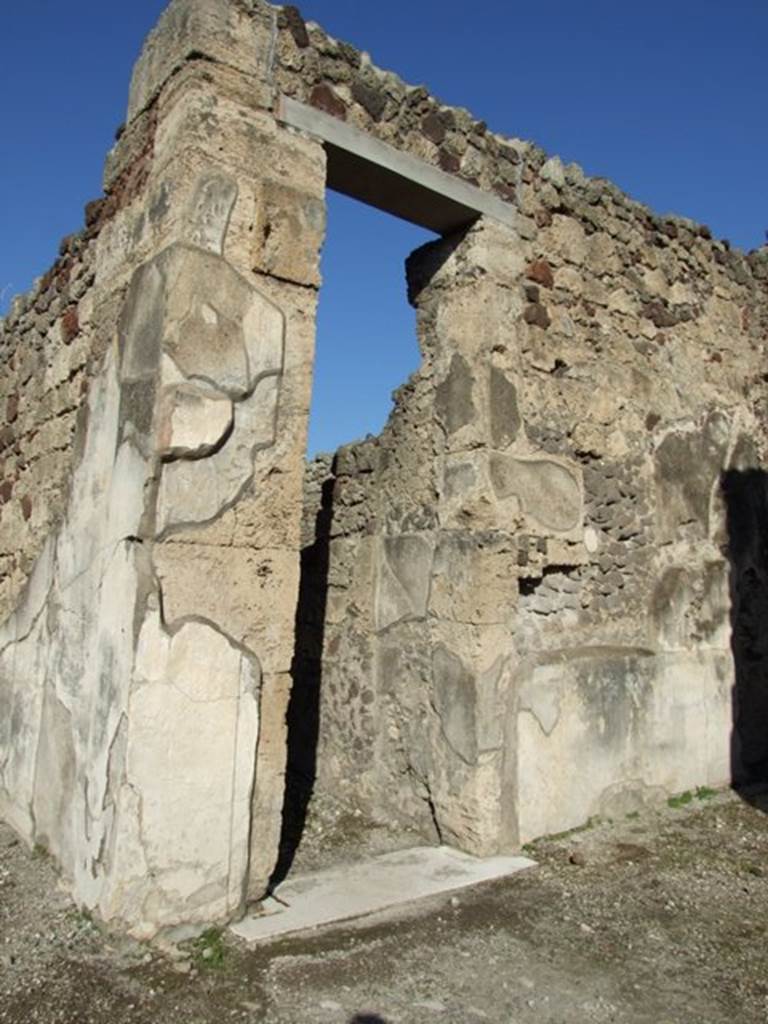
144, 668
516, 606
549, 490
334, 77
555, 469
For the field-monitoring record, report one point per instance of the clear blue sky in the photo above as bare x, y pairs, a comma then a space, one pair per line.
668, 99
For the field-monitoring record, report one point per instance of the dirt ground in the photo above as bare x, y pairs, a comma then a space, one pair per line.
660, 918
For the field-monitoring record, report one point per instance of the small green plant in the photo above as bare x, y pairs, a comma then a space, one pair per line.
209, 949
40, 852
705, 793
753, 869
681, 800
82, 917
632, 815
588, 824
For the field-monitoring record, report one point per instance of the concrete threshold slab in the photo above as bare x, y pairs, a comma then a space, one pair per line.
382, 883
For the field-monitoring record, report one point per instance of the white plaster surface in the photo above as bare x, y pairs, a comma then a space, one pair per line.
197, 491
71, 646
388, 881
651, 728
127, 748
193, 729
196, 419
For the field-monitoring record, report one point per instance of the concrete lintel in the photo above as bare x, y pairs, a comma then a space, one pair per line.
398, 183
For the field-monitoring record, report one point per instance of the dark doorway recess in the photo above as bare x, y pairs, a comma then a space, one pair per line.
304, 706
746, 500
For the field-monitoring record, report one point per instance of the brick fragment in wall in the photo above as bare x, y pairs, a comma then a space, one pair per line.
540, 272
70, 325
290, 17
324, 98
665, 316
448, 161
537, 315
508, 192
434, 126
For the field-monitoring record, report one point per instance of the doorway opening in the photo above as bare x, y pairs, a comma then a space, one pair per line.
366, 347
366, 330
382, 205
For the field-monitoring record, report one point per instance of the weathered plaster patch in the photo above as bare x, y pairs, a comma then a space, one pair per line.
196, 491
687, 471
548, 491
193, 728
402, 579
455, 700
210, 210
505, 412
623, 718
453, 396
194, 420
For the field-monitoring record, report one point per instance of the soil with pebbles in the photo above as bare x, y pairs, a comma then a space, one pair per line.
657, 919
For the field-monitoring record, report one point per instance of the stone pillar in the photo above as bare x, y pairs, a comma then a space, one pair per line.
425, 558
468, 301
233, 379
149, 660
504, 507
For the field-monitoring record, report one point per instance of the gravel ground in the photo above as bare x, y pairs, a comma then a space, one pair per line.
657, 919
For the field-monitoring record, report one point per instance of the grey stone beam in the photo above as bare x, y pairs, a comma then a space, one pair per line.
398, 183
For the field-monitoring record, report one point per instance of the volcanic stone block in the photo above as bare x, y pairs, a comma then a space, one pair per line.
505, 413
453, 396
225, 32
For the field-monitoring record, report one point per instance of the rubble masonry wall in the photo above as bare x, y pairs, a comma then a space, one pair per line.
529, 605
537, 575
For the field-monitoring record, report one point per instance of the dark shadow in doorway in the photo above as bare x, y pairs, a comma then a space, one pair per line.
303, 717
745, 493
